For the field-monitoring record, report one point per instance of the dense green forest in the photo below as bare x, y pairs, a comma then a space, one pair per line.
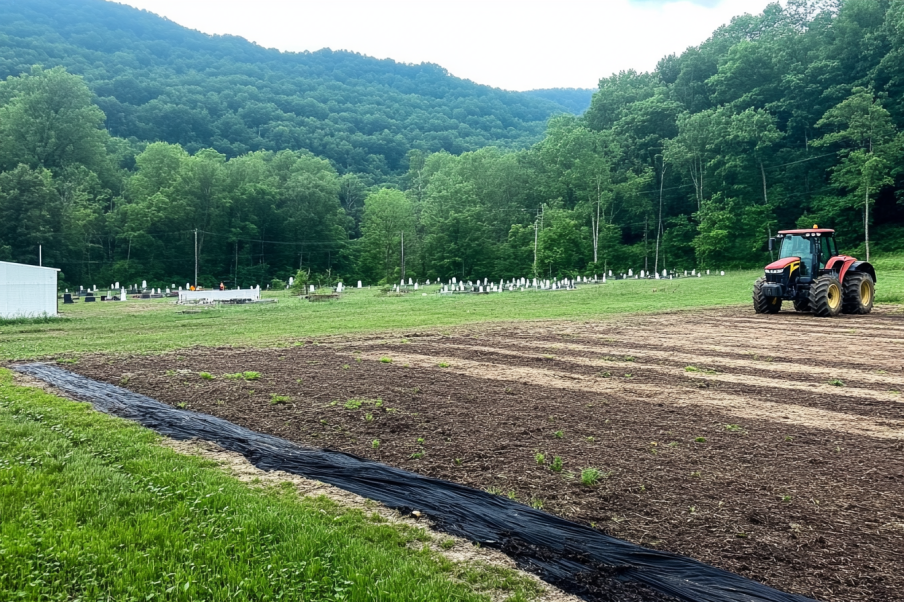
791, 117
155, 80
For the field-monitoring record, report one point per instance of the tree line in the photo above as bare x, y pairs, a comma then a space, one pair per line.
788, 118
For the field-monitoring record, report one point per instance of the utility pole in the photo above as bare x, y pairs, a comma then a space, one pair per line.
196, 258
659, 227
538, 225
40, 255
403, 257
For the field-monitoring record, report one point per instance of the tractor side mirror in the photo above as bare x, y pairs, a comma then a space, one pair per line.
771, 244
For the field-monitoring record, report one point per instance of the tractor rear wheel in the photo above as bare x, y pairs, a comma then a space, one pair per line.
763, 304
859, 292
802, 305
825, 296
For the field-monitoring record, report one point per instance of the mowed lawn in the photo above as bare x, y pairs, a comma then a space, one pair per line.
93, 508
158, 325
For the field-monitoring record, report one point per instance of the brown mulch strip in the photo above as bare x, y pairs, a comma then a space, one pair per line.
807, 510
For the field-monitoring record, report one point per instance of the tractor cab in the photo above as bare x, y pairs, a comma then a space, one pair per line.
813, 248
814, 276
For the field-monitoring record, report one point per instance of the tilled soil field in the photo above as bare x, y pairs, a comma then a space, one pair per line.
769, 446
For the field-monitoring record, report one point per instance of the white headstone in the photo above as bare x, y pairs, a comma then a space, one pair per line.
312, 288
415, 286
122, 294
291, 280
693, 272
144, 284
707, 272
453, 280
409, 282
359, 284
722, 273
630, 272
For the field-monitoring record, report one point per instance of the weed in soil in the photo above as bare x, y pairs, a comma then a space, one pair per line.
700, 440
836, 383
557, 464
590, 476
385, 360
206, 375
540, 459
278, 399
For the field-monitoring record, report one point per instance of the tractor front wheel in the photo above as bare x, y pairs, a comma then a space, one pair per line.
763, 304
825, 296
859, 292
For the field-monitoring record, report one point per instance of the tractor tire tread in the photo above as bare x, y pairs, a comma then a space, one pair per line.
819, 296
851, 302
761, 303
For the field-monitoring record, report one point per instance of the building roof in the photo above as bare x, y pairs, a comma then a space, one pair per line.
26, 265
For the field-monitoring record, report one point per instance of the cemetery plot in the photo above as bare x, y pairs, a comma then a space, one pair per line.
713, 435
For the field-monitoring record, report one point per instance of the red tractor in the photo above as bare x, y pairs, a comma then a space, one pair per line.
814, 277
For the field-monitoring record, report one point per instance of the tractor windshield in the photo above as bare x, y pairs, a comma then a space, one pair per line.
798, 246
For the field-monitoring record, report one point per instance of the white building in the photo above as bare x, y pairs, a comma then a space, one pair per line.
27, 291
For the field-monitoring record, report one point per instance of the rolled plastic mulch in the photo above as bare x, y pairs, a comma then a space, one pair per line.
572, 557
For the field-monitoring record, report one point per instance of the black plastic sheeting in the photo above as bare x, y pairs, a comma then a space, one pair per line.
573, 557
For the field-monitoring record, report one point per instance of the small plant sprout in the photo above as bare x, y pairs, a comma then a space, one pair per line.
512, 495
629, 376
557, 464
536, 503
786, 498
590, 439
251, 375
836, 383
457, 461
353, 404
206, 375
540, 458
734, 428
235, 376
278, 399
559, 434
691, 369
345, 366
417, 455
673, 444
375, 444
420, 440
443, 364
700, 440
447, 544
405, 341
590, 476
385, 360
181, 405
368, 417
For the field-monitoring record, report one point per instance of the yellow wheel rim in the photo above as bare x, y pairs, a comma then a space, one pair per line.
866, 293
834, 296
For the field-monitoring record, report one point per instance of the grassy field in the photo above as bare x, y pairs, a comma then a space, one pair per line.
92, 508
159, 325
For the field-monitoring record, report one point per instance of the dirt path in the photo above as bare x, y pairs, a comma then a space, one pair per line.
750, 460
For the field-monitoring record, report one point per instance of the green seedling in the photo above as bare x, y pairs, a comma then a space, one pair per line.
375, 444
493, 490
443, 364
345, 366
251, 375
368, 417
629, 376
786, 498
181, 405
417, 455
278, 399
734, 428
691, 369
511, 495
536, 503
420, 440
235, 376
353, 404
591, 439
206, 375
836, 383
700, 440
590, 476
171, 373
557, 464
559, 434
605, 374
540, 458
457, 461
385, 360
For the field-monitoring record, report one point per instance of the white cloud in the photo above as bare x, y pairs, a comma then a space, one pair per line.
512, 44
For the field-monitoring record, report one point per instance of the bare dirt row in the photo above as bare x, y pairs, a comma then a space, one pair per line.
769, 446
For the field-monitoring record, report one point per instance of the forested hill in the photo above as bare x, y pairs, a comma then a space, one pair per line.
576, 100
156, 80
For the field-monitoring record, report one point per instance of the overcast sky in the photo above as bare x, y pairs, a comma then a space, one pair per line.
511, 44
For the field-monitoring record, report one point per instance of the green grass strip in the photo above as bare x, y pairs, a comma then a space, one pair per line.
93, 508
